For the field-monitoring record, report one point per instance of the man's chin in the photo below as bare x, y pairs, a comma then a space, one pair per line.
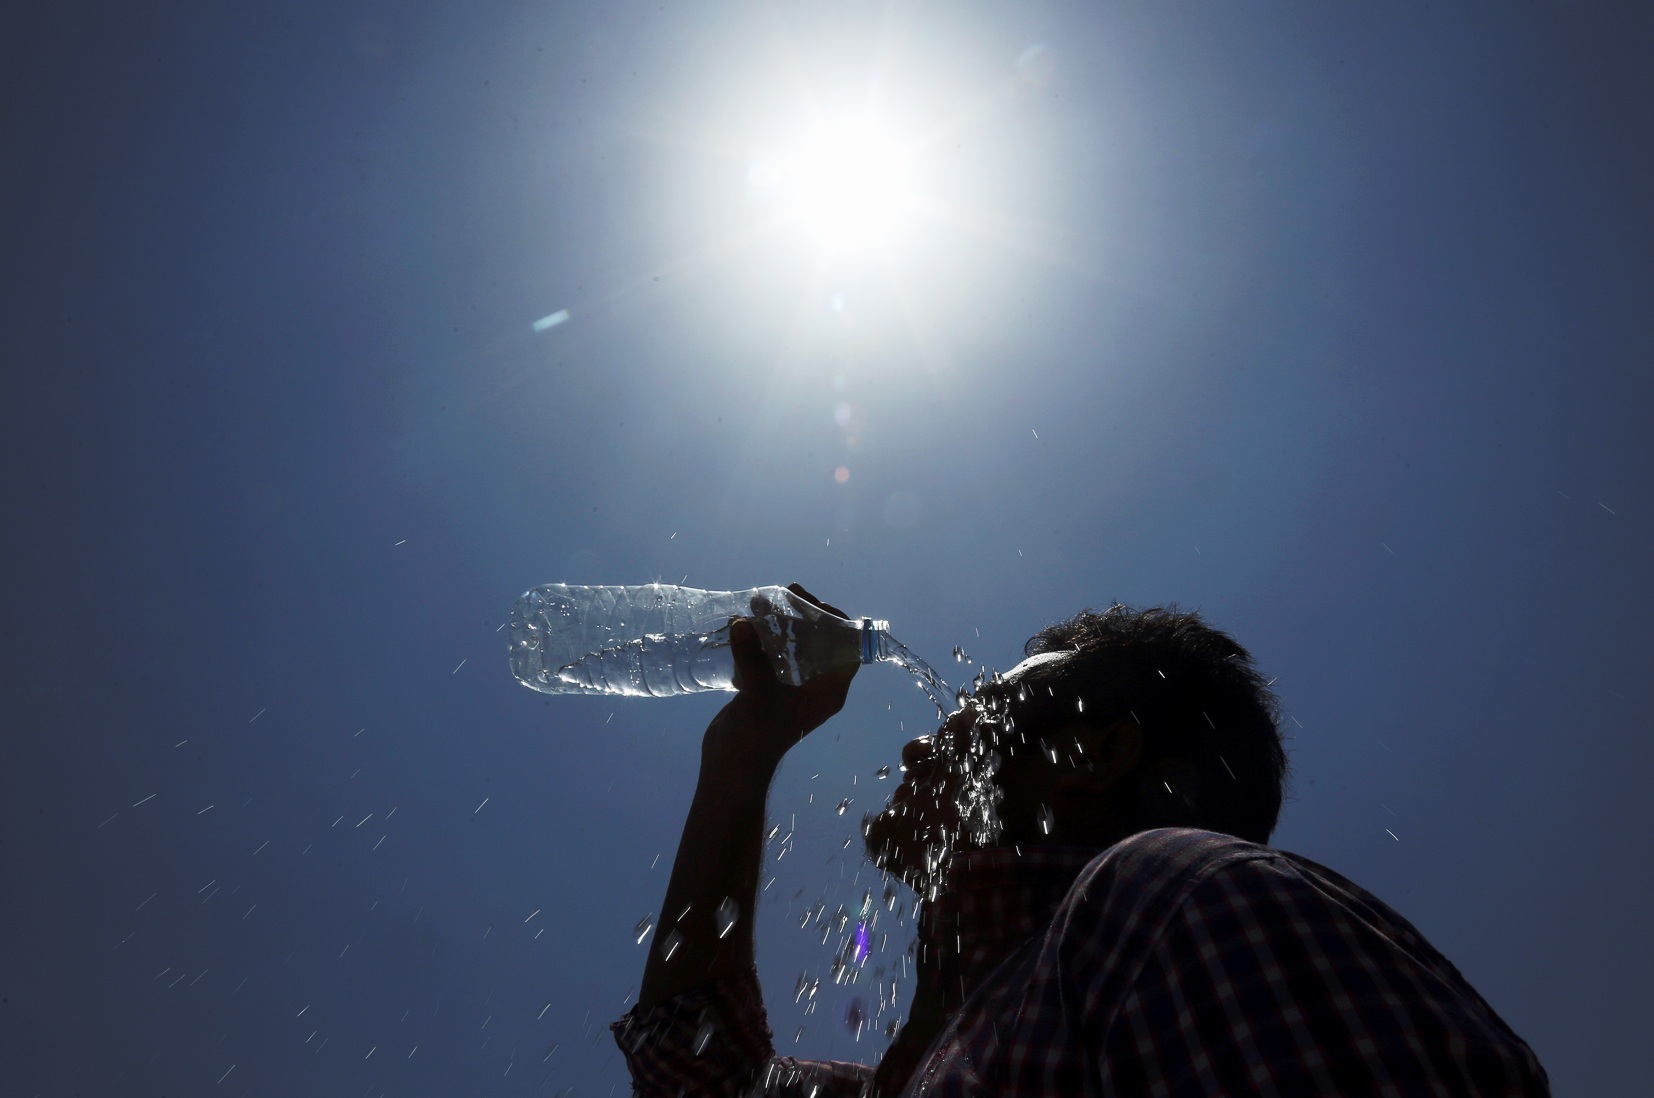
907, 857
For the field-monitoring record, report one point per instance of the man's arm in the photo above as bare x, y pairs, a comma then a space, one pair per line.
705, 929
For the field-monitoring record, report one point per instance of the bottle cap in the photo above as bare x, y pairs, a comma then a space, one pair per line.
875, 640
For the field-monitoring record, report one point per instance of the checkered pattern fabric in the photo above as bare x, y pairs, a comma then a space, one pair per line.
1177, 963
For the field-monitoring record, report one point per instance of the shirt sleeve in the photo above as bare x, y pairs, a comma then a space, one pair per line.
714, 1041
1269, 978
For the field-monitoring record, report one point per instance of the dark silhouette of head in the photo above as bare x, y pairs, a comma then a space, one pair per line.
1117, 722
1211, 754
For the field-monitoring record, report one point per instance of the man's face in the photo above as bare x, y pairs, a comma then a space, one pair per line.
986, 759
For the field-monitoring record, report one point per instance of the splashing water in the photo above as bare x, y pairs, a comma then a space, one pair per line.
855, 1016
924, 675
728, 915
965, 773
976, 760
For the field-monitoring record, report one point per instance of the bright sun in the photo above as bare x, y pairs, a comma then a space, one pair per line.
849, 184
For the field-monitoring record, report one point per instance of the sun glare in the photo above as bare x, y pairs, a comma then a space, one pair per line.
849, 184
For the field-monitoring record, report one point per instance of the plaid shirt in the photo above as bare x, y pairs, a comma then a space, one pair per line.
1174, 963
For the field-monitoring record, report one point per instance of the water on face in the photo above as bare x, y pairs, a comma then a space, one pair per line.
971, 760
975, 758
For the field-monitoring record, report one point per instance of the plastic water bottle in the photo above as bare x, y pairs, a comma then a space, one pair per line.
661, 640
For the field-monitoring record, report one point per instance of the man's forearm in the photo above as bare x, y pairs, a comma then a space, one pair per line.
705, 927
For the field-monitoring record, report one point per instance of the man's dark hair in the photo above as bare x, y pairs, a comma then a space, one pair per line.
1209, 720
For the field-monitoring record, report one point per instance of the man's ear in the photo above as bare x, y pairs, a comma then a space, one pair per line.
1106, 755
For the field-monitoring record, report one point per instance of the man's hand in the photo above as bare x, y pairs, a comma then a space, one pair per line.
767, 716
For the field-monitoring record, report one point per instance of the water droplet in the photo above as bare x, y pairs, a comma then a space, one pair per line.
843, 806
728, 915
1047, 819
644, 926
882, 773
669, 944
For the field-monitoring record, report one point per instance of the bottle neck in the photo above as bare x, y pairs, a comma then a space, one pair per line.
875, 640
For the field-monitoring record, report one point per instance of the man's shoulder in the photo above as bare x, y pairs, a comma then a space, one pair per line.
1167, 864
1140, 881
1168, 873
1174, 853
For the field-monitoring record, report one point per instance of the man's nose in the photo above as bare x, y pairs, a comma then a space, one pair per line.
956, 729
918, 750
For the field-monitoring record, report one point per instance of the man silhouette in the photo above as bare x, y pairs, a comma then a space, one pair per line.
1099, 913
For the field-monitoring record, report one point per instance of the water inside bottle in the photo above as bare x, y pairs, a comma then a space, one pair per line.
655, 665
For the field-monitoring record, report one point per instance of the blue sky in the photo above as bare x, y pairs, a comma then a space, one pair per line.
1329, 321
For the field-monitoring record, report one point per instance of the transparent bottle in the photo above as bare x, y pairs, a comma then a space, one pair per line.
661, 640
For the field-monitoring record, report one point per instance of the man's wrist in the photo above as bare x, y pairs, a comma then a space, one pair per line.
742, 749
